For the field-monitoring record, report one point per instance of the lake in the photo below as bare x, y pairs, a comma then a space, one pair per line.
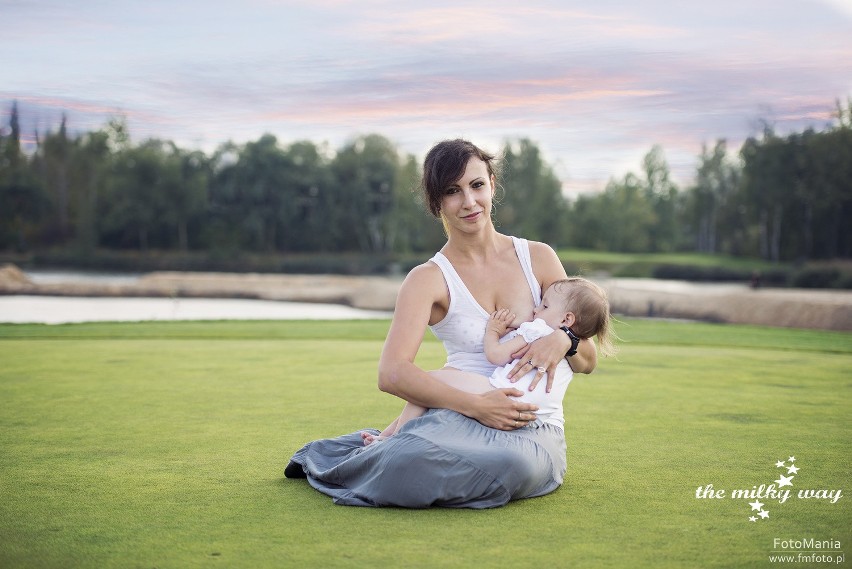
68, 309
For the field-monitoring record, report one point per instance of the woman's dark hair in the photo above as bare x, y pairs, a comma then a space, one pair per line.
445, 164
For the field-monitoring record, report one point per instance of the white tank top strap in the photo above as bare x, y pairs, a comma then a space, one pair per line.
458, 291
522, 248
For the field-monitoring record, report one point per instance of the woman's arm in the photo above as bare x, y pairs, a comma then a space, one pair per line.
548, 351
419, 301
586, 358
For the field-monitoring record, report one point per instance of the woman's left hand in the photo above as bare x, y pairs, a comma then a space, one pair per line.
543, 356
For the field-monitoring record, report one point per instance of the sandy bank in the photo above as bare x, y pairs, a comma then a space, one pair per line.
369, 293
735, 304
800, 308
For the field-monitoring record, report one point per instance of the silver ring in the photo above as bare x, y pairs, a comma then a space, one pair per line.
541, 369
530, 362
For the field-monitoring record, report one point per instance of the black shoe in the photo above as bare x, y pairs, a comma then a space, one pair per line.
294, 470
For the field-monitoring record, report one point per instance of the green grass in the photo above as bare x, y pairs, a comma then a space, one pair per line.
614, 260
701, 259
705, 267
163, 445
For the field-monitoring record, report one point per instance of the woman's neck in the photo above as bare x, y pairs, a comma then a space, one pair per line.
474, 246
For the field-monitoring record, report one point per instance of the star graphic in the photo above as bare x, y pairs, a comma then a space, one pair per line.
763, 514
792, 459
752, 519
785, 481
755, 505
792, 470
780, 464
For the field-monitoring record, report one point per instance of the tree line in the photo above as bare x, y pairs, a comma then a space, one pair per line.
778, 198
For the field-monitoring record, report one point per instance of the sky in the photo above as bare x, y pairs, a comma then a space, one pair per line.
594, 84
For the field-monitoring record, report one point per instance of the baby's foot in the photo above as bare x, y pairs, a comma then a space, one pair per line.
370, 438
365, 435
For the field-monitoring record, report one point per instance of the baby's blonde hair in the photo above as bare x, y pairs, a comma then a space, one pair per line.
590, 306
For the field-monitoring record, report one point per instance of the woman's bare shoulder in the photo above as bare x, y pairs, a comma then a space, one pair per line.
546, 264
423, 294
427, 270
543, 253
425, 277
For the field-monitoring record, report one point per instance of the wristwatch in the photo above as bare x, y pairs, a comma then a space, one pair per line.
575, 341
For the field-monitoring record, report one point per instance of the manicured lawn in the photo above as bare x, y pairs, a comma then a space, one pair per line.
698, 259
163, 445
616, 260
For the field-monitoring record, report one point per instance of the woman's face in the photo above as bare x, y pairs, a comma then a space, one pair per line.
466, 204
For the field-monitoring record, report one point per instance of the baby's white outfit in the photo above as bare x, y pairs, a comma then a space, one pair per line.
549, 404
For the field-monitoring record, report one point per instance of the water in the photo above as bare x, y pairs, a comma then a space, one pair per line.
65, 309
54, 277
68, 309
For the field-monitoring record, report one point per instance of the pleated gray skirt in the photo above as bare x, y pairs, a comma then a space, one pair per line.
440, 459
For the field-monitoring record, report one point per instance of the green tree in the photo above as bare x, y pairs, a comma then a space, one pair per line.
91, 170
411, 226
533, 204
136, 208
662, 194
186, 199
251, 195
823, 192
22, 199
716, 180
618, 219
365, 173
54, 156
309, 222
843, 114
769, 182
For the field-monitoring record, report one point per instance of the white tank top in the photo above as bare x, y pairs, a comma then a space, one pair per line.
462, 330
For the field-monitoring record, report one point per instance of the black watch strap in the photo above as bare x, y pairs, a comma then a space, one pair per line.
575, 340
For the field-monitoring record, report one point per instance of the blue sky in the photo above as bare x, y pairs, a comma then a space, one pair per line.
595, 84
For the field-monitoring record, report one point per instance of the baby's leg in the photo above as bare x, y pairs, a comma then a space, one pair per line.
461, 380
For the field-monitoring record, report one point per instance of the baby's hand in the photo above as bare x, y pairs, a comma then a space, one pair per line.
500, 321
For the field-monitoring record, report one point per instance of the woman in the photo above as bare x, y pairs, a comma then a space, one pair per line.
469, 450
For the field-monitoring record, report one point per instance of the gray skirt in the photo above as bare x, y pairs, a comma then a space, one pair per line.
440, 459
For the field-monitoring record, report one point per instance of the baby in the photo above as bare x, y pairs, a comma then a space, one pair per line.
575, 304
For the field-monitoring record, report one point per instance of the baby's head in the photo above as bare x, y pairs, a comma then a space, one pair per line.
582, 306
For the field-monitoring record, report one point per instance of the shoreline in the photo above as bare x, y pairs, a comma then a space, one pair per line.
723, 303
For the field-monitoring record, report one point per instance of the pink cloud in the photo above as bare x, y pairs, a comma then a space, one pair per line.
477, 22
63, 104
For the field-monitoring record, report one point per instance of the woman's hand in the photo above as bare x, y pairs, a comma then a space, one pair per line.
497, 409
543, 355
